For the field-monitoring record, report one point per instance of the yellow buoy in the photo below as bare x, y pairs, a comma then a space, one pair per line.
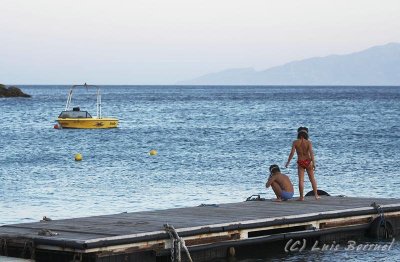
153, 152
78, 157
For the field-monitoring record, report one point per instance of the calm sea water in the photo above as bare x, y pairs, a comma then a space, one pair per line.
214, 146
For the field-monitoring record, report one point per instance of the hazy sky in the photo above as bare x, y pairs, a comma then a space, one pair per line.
161, 42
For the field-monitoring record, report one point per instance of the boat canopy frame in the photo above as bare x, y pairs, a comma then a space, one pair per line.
98, 98
75, 114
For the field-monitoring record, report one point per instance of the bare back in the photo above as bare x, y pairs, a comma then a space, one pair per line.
302, 149
283, 182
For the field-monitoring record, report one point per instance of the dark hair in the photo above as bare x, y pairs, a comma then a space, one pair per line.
302, 132
274, 168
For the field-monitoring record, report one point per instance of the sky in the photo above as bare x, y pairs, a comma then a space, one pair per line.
141, 42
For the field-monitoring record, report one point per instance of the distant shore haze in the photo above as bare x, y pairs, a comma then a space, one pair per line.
379, 65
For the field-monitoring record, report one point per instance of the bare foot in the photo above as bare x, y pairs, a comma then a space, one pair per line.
300, 199
277, 200
317, 197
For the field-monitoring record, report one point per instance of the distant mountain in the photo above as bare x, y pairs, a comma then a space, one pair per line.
379, 65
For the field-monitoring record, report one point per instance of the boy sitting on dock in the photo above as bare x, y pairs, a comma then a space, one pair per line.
280, 183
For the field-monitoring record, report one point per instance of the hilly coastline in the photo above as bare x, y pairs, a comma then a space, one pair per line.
379, 65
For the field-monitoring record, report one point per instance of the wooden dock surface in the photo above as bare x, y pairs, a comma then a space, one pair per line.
100, 231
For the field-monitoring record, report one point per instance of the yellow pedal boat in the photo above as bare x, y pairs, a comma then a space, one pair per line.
76, 118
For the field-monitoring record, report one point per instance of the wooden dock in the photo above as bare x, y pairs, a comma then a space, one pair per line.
208, 231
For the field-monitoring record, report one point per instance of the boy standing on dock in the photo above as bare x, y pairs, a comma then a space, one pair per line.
280, 183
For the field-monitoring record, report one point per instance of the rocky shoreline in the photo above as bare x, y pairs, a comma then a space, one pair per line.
11, 91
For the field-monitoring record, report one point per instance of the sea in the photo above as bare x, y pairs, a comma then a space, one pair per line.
214, 145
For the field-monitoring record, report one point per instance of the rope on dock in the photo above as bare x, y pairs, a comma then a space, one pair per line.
255, 198
77, 257
176, 244
3, 246
208, 205
24, 249
32, 249
28, 250
387, 232
47, 232
378, 209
